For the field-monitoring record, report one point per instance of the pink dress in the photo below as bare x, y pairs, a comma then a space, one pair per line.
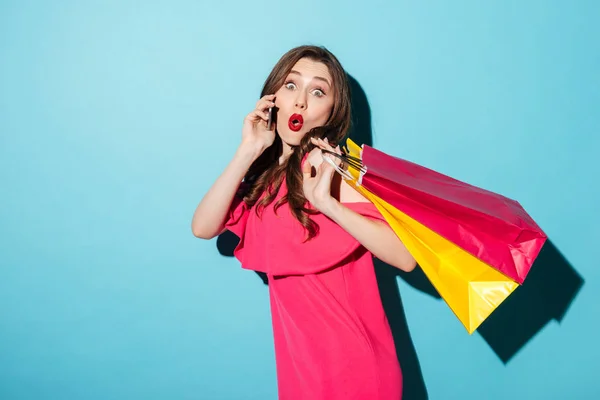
332, 338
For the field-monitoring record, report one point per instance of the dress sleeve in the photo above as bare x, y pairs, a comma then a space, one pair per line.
286, 253
238, 213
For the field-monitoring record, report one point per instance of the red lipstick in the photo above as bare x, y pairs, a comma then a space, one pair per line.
295, 122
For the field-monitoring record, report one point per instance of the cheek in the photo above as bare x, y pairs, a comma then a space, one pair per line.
282, 98
323, 112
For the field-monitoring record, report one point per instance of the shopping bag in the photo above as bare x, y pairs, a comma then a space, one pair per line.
493, 228
471, 288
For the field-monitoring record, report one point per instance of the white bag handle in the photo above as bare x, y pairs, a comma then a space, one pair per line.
345, 174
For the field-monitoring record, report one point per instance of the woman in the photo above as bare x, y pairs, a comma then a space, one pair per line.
312, 234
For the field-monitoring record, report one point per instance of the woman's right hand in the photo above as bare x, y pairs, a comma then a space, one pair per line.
254, 131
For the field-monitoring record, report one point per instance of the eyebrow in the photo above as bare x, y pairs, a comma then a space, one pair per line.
320, 78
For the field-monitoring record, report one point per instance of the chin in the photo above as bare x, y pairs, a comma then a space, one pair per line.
291, 138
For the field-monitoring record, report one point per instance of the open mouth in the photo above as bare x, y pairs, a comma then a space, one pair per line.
295, 122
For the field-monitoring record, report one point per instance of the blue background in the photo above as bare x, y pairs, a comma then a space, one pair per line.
116, 117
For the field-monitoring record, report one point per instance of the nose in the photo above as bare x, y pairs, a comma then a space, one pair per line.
301, 102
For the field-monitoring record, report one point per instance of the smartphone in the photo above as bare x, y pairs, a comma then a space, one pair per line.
271, 120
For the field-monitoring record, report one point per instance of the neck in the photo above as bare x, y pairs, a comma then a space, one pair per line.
286, 151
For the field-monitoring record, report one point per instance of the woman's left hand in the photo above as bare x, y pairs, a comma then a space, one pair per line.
317, 189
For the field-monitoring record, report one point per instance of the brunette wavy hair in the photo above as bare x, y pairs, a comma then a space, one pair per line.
266, 174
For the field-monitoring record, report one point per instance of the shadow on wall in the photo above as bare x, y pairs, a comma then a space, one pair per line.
547, 293
551, 285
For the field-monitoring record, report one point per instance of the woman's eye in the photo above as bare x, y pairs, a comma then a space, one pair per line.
319, 93
290, 85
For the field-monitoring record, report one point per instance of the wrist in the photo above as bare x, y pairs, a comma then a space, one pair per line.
329, 207
250, 150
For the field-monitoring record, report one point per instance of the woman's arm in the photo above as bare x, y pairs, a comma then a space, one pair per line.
209, 218
376, 236
323, 191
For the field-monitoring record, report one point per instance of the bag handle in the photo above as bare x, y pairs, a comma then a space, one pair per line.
346, 159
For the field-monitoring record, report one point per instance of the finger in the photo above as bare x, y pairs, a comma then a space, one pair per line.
265, 102
335, 150
314, 157
256, 116
338, 151
341, 163
326, 144
329, 145
320, 143
326, 166
267, 97
332, 162
306, 170
328, 150
324, 177
264, 105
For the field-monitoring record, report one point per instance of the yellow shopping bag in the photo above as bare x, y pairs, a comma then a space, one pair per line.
471, 288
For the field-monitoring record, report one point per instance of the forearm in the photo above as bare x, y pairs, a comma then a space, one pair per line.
376, 236
210, 214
